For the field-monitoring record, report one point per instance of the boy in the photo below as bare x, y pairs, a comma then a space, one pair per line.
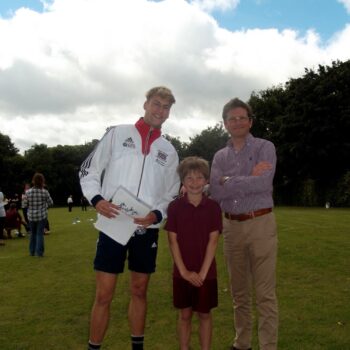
193, 225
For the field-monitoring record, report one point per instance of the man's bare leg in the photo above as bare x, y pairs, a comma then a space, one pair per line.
138, 307
105, 287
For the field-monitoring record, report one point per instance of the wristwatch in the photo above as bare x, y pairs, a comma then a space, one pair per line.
225, 178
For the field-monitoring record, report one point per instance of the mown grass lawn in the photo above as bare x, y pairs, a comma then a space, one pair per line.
45, 303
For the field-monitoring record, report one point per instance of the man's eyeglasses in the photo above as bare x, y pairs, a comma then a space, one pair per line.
240, 119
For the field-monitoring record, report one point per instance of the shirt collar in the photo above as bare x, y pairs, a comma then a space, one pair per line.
248, 141
203, 201
144, 130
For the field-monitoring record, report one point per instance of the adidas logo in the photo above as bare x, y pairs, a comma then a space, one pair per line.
129, 142
154, 245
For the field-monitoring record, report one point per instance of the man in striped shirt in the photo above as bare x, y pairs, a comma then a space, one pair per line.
241, 181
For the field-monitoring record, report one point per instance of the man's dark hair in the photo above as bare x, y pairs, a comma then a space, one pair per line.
236, 103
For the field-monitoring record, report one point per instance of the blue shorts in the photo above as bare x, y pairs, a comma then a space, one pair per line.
141, 252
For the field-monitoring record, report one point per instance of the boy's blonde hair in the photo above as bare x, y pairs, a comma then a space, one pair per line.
193, 164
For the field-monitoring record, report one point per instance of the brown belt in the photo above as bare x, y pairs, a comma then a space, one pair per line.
249, 215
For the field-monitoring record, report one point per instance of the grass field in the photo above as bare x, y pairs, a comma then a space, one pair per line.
45, 303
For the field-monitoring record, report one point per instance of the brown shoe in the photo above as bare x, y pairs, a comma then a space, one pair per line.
234, 348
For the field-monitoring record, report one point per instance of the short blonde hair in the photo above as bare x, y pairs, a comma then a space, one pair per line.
193, 164
161, 91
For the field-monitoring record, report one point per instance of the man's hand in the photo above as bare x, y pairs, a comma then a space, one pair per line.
260, 168
107, 209
148, 220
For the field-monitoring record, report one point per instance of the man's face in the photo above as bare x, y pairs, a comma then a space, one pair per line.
157, 111
238, 123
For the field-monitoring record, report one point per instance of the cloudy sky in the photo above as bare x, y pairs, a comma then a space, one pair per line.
70, 68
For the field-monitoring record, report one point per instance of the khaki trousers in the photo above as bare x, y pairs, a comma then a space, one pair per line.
250, 249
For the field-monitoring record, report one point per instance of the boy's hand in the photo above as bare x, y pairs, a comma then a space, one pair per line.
193, 278
202, 275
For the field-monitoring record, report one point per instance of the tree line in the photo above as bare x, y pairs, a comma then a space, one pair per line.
308, 120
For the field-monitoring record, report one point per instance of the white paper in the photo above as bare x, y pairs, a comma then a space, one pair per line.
122, 227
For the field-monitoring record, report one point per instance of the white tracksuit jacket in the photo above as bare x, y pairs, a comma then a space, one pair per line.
118, 160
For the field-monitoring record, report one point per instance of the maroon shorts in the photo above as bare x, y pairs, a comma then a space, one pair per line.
200, 299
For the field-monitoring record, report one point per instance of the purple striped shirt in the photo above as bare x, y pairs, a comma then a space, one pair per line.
243, 192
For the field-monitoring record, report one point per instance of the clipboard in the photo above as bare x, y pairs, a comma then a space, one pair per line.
122, 227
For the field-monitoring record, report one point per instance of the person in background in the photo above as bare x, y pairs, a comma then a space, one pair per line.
242, 182
39, 200
2, 217
24, 203
47, 227
47, 230
70, 203
16, 201
193, 225
138, 158
84, 203
14, 221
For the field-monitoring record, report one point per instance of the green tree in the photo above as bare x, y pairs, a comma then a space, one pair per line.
309, 122
60, 166
180, 146
7, 148
208, 142
11, 165
39, 159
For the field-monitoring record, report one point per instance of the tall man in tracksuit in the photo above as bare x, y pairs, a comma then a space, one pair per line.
141, 160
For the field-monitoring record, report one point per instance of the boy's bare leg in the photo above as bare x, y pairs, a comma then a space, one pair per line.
105, 286
184, 328
205, 330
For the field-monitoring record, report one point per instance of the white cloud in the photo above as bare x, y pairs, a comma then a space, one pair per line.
211, 5
346, 3
68, 73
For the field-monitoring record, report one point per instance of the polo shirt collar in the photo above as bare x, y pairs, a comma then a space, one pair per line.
202, 203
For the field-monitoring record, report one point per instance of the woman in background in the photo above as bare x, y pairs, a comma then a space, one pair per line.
39, 200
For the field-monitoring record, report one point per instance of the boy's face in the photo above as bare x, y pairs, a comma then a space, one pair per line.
194, 182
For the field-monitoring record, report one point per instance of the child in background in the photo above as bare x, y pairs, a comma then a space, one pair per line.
193, 225
14, 221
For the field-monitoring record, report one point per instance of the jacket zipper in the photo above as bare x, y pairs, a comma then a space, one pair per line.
144, 159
